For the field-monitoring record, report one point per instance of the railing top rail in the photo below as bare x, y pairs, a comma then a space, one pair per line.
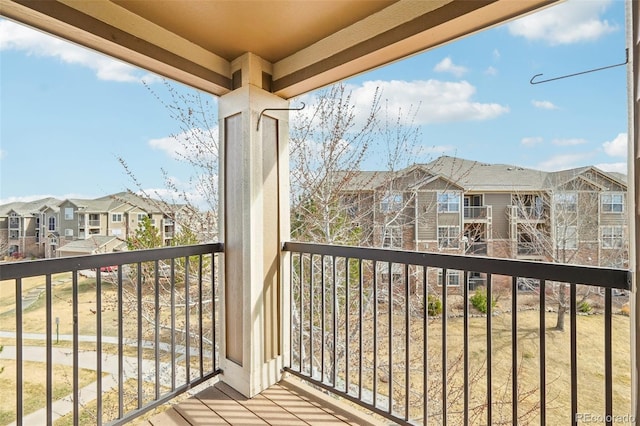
586, 275
32, 268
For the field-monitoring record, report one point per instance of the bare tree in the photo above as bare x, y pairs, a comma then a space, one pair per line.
563, 225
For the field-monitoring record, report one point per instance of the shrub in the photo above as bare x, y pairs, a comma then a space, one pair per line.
479, 300
625, 310
584, 307
434, 306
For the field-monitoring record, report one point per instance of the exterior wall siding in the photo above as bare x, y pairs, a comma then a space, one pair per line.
499, 203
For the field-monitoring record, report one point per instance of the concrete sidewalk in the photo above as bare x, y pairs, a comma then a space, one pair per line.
89, 360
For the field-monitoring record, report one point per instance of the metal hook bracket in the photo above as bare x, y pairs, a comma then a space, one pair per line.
582, 72
277, 109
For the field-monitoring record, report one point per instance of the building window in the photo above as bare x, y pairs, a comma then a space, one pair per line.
68, 213
37, 236
392, 237
116, 217
68, 232
14, 235
613, 203
391, 202
53, 241
448, 236
612, 237
349, 203
567, 237
448, 202
116, 232
566, 201
141, 216
52, 223
453, 278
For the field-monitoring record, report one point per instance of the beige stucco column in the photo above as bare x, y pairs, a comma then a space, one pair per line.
254, 220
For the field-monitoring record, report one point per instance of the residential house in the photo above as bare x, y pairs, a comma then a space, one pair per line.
459, 206
44, 228
29, 228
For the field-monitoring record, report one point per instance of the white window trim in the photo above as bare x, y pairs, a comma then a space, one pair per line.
114, 215
611, 196
452, 275
68, 216
566, 201
392, 201
446, 207
608, 242
570, 237
454, 238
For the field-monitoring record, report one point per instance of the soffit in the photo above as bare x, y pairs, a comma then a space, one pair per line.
304, 44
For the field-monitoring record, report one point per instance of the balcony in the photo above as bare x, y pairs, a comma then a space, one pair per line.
141, 328
477, 213
527, 214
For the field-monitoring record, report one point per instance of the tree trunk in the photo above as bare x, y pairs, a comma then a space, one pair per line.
562, 307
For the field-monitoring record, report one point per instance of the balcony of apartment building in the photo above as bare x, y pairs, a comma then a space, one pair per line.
280, 332
88, 221
14, 222
475, 210
477, 213
527, 214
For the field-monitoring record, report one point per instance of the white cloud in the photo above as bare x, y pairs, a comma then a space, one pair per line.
571, 22
20, 38
544, 104
436, 101
568, 142
447, 65
496, 54
491, 71
186, 145
3, 154
531, 141
618, 147
613, 167
565, 161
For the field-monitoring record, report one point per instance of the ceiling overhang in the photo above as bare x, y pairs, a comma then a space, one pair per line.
307, 44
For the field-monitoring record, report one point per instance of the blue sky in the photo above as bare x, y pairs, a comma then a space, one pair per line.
67, 114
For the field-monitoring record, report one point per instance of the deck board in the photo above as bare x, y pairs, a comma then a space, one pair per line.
283, 404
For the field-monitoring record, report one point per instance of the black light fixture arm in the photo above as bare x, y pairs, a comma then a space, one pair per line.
580, 73
277, 109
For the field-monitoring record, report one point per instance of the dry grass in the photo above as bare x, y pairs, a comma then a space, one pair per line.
34, 386
590, 354
110, 405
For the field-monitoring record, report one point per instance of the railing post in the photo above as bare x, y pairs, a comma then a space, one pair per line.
255, 209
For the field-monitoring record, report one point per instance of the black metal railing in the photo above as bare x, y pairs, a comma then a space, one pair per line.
140, 328
374, 327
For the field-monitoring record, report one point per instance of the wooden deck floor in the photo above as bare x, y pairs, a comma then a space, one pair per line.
285, 403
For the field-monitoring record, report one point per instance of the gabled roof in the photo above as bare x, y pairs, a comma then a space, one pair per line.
29, 208
91, 205
89, 245
563, 177
474, 176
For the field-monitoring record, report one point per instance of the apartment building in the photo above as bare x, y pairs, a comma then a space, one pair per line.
453, 205
53, 228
